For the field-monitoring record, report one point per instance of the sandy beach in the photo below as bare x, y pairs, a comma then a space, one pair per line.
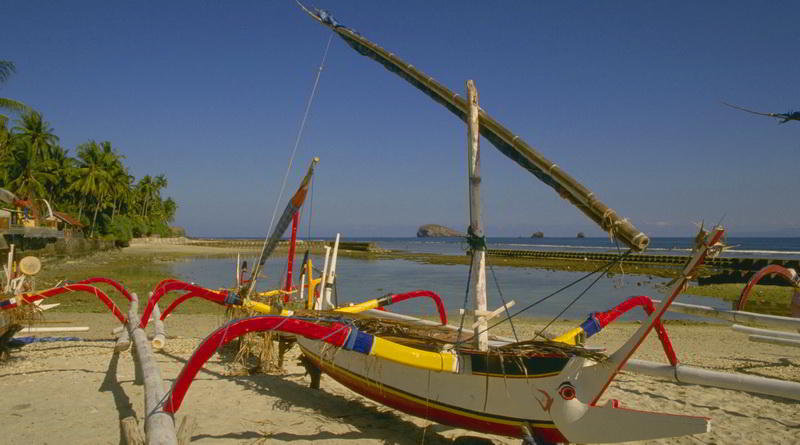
76, 392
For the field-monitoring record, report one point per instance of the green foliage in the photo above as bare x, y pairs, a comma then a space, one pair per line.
95, 186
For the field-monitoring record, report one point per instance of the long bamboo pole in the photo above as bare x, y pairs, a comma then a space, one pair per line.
698, 376
735, 316
475, 220
509, 144
159, 426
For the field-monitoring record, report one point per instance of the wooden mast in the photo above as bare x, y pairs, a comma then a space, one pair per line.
478, 281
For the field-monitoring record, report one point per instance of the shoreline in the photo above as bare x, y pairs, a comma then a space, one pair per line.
769, 299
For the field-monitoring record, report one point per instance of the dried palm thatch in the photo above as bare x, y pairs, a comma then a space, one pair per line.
13, 320
437, 338
255, 352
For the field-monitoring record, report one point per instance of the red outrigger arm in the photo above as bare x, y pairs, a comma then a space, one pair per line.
417, 294
30, 298
598, 320
335, 334
789, 275
118, 286
169, 285
226, 298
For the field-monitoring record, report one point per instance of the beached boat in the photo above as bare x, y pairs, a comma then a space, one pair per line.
544, 391
541, 390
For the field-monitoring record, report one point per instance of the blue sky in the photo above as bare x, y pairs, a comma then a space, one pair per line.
626, 96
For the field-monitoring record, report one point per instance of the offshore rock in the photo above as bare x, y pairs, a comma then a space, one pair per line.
437, 231
538, 235
581, 235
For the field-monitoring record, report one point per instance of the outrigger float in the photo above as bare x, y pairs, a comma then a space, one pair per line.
540, 390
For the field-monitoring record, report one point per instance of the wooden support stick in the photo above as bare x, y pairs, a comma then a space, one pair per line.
186, 429
54, 329
478, 255
130, 431
489, 315
159, 426
160, 337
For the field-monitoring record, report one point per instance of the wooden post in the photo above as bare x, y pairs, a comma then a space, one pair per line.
479, 254
186, 429
131, 432
160, 337
159, 426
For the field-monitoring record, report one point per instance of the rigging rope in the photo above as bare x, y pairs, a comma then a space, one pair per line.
540, 333
503, 300
299, 137
541, 300
464, 306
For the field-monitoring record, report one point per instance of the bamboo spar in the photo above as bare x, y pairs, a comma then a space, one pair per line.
511, 145
476, 225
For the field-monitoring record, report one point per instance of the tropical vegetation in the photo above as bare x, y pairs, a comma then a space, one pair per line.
95, 185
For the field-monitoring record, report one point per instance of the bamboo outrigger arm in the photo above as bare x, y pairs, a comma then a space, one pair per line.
511, 145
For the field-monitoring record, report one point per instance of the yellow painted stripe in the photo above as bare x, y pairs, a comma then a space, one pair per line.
419, 400
434, 361
264, 308
570, 337
361, 307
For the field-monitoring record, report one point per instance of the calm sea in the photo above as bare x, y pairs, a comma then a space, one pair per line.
360, 279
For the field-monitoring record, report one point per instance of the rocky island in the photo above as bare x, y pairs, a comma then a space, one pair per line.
437, 231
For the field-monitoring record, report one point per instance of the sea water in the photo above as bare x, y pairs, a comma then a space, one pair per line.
363, 279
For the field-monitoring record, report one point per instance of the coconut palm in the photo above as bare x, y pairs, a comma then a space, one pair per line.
7, 68
30, 174
169, 208
62, 167
6, 141
92, 176
144, 190
34, 129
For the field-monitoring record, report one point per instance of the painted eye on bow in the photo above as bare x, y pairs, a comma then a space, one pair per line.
566, 391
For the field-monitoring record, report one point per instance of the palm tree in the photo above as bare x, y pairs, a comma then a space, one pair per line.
7, 68
92, 176
169, 209
31, 175
145, 192
37, 131
62, 167
6, 156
